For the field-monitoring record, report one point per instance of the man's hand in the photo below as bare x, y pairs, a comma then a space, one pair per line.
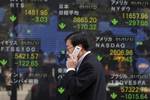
71, 63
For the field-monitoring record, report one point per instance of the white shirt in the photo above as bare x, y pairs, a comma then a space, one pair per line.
79, 62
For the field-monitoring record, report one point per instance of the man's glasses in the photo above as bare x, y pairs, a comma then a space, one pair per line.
69, 48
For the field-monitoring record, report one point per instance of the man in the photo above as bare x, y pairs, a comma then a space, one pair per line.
85, 79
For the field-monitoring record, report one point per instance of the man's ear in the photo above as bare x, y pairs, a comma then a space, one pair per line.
80, 45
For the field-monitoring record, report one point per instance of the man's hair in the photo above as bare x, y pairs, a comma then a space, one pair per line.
78, 38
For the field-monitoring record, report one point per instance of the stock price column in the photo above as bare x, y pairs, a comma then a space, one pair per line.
118, 60
73, 17
133, 13
27, 54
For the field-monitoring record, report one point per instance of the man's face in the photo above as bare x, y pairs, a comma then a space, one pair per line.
69, 47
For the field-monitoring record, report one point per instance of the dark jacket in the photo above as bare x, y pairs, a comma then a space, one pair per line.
88, 83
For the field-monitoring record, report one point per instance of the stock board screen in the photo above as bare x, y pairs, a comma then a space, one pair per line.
33, 52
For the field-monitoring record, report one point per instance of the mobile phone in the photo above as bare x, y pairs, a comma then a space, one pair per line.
76, 52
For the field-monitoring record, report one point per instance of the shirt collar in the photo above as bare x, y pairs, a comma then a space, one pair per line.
83, 56
81, 59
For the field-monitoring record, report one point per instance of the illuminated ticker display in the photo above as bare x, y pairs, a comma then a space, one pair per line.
119, 62
37, 15
129, 87
131, 13
85, 23
123, 53
136, 19
30, 12
25, 51
27, 59
76, 17
119, 47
